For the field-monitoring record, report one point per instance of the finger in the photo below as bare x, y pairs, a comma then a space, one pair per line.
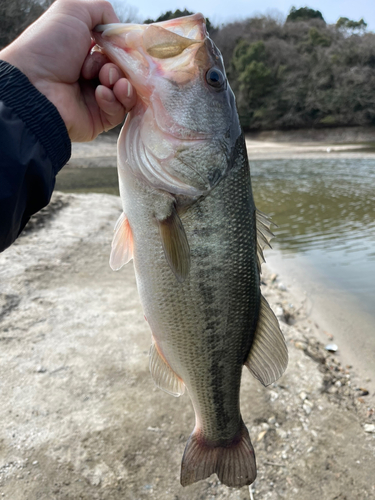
125, 94
109, 74
113, 112
92, 65
101, 12
91, 12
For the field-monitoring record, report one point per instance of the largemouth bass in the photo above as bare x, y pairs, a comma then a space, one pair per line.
191, 227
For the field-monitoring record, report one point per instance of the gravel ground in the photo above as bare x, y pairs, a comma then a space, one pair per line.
81, 418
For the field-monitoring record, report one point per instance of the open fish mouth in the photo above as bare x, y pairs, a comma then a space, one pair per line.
153, 48
162, 40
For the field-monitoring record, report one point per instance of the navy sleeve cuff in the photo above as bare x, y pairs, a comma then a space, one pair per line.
37, 112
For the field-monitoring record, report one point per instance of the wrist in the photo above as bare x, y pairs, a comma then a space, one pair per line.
14, 56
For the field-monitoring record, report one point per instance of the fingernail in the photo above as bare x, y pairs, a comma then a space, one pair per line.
109, 97
99, 91
112, 76
130, 89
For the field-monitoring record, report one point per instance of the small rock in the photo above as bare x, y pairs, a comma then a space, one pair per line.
362, 392
41, 369
261, 435
273, 277
281, 287
338, 383
331, 347
273, 396
307, 406
302, 395
279, 311
281, 433
35, 462
272, 420
300, 345
369, 428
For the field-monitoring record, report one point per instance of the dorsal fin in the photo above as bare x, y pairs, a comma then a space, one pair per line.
268, 357
122, 244
163, 375
264, 235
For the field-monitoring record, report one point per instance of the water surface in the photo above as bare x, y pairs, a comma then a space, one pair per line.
325, 212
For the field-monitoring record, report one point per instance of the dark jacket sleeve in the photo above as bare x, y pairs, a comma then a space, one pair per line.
34, 146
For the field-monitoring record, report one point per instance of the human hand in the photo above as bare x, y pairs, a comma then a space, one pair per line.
54, 53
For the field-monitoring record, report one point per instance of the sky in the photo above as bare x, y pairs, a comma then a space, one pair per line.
222, 11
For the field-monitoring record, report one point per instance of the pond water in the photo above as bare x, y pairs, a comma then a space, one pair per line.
325, 212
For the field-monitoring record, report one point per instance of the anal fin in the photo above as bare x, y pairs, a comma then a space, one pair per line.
268, 357
122, 244
163, 375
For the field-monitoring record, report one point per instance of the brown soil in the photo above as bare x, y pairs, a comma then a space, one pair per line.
81, 418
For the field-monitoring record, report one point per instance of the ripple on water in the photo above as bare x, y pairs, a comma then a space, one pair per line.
325, 210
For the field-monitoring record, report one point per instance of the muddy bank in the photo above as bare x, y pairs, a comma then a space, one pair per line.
81, 418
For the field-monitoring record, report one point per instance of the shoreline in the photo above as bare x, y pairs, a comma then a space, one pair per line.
334, 313
81, 417
354, 142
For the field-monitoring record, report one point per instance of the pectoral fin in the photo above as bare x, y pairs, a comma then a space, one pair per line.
163, 375
175, 245
268, 356
122, 244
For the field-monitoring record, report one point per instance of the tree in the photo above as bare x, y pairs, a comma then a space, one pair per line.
125, 12
348, 24
304, 14
299, 74
254, 79
174, 15
15, 16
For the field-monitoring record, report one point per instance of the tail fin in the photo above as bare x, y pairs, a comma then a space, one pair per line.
233, 462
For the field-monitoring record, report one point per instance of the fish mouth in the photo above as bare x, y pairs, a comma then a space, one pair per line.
164, 39
146, 48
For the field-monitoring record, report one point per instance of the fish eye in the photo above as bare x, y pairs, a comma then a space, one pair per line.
215, 78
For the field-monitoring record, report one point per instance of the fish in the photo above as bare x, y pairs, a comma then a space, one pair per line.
190, 225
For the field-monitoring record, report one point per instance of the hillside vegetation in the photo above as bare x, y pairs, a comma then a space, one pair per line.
297, 73
300, 73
